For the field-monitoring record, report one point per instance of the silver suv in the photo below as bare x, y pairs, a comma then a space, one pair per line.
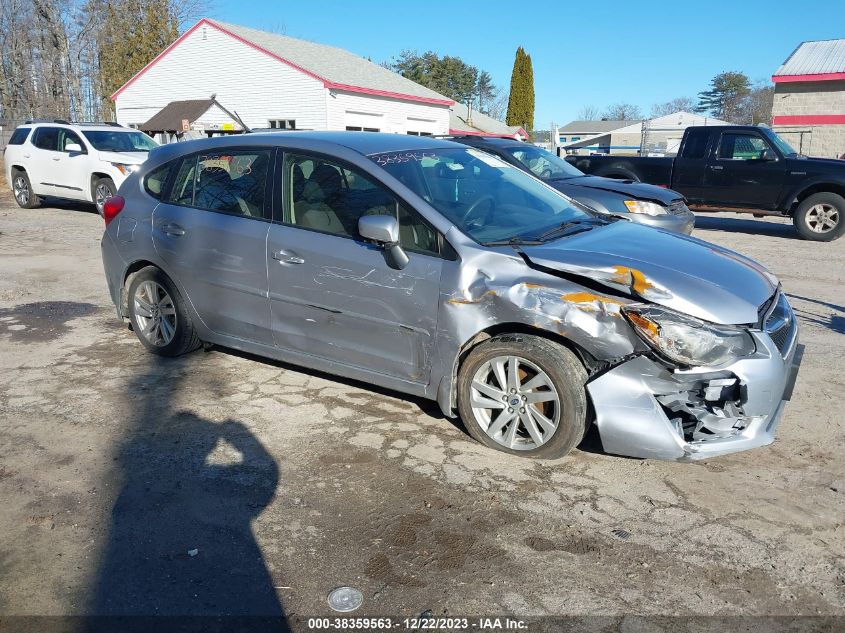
438, 270
76, 161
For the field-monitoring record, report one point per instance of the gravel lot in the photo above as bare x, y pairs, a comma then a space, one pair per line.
115, 467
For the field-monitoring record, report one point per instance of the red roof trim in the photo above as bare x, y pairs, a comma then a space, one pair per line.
157, 58
809, 119
387, 93
817, 77
326, 82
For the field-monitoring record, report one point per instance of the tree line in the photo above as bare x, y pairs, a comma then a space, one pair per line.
731, 97
64, 58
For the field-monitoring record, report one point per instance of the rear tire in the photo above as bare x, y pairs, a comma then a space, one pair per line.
102, 190
159, 315
547, 402
22, 190
820, 217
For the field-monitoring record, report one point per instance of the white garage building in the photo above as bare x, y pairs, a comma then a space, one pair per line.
274, 81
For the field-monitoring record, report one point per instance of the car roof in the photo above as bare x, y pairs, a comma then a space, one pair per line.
363, 143
366, 143
78, 126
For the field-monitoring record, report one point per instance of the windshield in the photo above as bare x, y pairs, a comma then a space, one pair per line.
543, 164
119, 141
483, 196
784, 147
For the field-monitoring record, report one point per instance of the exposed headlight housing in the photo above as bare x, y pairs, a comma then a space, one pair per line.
689, 341
647, 208
125, 169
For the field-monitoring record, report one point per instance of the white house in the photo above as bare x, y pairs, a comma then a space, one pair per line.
273, 81
661, 135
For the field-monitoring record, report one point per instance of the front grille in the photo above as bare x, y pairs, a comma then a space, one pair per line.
781, 325
677, 207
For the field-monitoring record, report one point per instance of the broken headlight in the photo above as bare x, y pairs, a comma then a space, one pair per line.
687, 340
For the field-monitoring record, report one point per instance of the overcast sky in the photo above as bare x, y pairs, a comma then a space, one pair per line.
596, 52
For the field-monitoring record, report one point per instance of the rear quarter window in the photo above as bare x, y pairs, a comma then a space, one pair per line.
156, 180
19, 136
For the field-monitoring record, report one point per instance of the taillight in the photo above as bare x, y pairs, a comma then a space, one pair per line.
111, 207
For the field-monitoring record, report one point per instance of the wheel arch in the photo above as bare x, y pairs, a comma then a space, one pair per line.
618, 173
448, 398
95, 176
818, 187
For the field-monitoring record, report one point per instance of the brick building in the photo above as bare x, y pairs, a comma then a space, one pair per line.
809, 102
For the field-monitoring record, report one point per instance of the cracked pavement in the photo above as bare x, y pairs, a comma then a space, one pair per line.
116, 465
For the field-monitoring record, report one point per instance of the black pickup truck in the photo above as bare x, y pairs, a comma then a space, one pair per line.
741, 168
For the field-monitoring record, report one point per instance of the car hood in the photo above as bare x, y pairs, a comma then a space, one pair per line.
125, 158
675, 271
636, 190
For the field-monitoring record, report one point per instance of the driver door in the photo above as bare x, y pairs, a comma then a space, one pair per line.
332, 294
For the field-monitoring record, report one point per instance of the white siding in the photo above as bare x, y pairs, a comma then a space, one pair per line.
244, 79
386, 114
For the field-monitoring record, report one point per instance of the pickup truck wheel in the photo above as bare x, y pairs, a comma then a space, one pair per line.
523, 395
821, 217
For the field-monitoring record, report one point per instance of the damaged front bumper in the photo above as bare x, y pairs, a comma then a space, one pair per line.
645, 410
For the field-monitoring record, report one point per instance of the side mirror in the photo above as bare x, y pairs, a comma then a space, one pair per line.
768, 156
384, 230
73, 148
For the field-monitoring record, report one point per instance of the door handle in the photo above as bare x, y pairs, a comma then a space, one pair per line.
57, 158
716, 167
286, 257
173, 230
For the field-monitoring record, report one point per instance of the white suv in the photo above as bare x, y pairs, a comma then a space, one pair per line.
78, 161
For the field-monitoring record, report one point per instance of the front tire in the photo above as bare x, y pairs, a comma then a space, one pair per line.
22, 190
159, 316
103, 190
523, 395
820, 217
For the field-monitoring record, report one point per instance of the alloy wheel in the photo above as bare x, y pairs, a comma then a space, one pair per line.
101, 194
822, 218
155, 313
21, 190
515, 402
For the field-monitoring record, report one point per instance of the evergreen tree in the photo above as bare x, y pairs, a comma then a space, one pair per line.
134, 32
521, 101
726, 98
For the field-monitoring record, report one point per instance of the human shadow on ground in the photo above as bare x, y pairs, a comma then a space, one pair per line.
180, 552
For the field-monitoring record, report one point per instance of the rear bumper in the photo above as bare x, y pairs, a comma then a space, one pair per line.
637, 404
113, 265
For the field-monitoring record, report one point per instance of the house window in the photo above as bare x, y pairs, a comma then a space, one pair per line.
574, 138
282, 124
356, 128
419, 133
562, 139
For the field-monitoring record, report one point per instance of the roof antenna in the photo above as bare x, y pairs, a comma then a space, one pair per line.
233, 115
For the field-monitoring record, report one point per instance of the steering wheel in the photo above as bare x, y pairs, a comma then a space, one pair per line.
475, 205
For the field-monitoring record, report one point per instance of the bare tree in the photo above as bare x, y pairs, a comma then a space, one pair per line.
623, 112
497, 108
588, 113
678, 104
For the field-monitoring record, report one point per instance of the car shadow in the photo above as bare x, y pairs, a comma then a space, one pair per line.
833, 322
180, 552
429, 407
750, 226
68, 205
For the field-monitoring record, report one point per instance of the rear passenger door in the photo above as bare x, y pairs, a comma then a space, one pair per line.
42, 165
333, 295
211, 232
689, 171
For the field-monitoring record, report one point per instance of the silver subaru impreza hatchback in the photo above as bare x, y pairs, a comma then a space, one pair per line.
437, 270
